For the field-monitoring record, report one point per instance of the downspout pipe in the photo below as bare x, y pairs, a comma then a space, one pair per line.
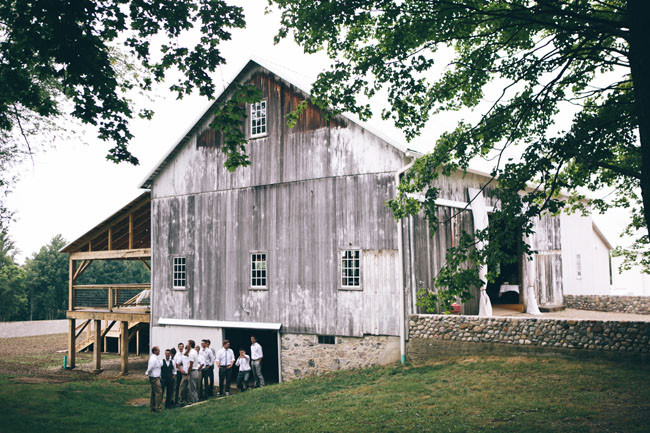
400, 266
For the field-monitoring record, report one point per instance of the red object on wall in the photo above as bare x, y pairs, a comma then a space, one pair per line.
455, 308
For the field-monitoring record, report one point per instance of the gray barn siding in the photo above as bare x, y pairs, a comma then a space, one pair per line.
301, 226
543, 270
426, 253
314, 149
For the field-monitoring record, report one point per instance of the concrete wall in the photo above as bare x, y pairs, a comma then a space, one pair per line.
606, 336
579, 238
302, 355
617, 304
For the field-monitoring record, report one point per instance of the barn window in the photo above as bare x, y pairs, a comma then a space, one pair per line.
326, 339
258, 119
578, 267
258, 270
179, 273
351, 268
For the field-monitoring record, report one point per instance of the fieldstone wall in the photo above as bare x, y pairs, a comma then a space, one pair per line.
302, 355
528, 332
616, 304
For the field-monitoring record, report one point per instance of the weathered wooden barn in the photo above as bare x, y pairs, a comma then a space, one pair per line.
300, 248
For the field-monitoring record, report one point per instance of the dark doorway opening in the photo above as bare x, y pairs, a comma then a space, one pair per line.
241, 339
507, 288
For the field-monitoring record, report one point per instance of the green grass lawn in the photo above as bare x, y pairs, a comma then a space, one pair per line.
520, 394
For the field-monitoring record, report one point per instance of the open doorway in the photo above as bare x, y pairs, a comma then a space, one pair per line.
241, 339
506, 290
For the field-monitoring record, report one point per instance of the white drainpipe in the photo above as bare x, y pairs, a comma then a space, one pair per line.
400, 269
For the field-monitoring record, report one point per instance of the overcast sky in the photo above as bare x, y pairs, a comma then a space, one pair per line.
72, 187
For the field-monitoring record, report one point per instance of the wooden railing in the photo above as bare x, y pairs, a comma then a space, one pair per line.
109, 296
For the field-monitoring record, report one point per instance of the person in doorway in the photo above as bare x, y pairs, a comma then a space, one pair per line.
256, 356
178, 360
224, 362
168, 378
244, 364
153, 371
193, 371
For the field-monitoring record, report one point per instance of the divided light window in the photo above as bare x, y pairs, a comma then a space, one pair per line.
258, 119
351, 268
258, 270
180, 273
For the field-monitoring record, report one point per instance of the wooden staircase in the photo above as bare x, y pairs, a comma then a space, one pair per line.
86, 342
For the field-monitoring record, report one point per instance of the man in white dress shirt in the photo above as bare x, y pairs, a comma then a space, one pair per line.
208, 359
225, 360
256, 356
211, 369
153, 371
178, 360
193, 368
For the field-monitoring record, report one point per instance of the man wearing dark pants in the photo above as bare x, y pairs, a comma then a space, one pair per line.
213, 358
153, 371
178, 360
225, 360
256, 365
167, 376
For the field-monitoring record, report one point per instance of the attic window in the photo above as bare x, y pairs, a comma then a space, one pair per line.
258, 119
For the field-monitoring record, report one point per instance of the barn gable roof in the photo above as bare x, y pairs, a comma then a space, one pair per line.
227, 92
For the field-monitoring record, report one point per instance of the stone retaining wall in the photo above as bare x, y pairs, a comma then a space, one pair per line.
593, 335
616, 304
302, 355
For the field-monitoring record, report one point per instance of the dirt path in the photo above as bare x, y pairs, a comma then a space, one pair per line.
36, 327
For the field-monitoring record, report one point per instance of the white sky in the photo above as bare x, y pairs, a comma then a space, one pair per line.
72, 187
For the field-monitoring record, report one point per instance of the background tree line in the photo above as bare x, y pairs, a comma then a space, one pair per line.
38, 290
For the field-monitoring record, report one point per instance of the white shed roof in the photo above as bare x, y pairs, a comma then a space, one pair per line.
219, 324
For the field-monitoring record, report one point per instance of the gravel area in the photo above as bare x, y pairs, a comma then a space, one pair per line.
36, 327
570, 313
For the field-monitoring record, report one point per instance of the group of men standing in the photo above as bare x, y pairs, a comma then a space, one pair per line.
186, 375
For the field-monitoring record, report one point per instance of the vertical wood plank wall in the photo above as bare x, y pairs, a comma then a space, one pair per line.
309, 192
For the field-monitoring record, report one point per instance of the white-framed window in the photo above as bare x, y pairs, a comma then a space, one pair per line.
258, 270
351, 268
179, 272
578, 267
258, 119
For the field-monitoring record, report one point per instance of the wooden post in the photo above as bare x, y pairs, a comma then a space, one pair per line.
110, 238
124, 342
137, 342
97, 347
105, 347
72, 349
110, 299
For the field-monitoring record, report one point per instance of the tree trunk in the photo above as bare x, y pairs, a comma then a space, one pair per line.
638, 13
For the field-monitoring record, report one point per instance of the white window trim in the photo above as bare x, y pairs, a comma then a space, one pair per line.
340, 265
266, 120
174, 257
250, 270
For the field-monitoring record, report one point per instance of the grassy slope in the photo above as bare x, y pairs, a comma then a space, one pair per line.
465, 394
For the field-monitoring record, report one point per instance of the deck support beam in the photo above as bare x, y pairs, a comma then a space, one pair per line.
72, 348
124, 349
97, 347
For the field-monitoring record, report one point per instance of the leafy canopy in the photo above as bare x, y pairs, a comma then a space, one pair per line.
544, 56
